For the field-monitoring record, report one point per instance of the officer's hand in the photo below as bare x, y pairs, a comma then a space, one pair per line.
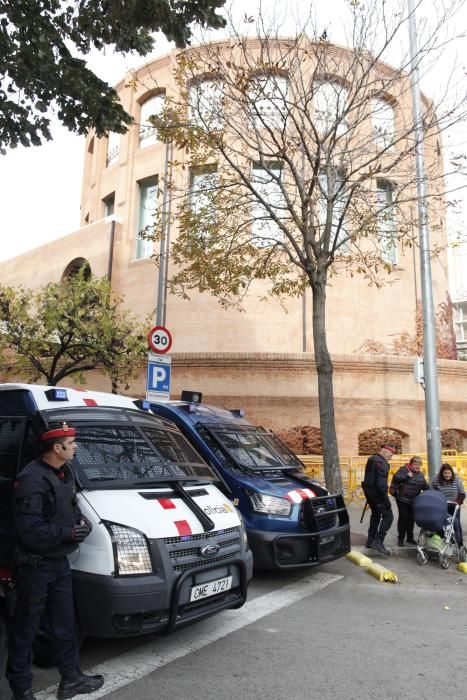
87, 523
79, 533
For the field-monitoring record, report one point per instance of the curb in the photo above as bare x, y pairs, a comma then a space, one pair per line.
404, 552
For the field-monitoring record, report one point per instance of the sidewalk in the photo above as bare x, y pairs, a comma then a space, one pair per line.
358, 530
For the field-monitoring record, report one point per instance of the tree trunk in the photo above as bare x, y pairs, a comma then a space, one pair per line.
324, 368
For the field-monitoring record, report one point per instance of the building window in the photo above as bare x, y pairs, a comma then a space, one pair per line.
109, 205
267, 183
329, 100
205, 103
332, 182
113, 147
152, 107
382, 119
203, 183
268, 97
386, 221
460, 322
147, 210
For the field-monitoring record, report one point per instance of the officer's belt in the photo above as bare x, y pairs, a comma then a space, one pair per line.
33, 559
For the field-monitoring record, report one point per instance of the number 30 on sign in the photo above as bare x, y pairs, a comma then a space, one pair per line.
159, 339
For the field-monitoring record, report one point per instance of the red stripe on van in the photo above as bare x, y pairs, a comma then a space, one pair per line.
183, 527
166, 503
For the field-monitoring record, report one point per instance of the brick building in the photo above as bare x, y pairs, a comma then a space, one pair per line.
260, 359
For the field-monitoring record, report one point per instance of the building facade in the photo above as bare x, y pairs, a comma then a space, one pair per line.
260, 358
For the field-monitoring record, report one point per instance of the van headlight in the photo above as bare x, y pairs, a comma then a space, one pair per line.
130, 549
270, 505
242, 529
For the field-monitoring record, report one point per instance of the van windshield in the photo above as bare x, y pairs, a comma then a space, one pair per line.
254, 447
126, 448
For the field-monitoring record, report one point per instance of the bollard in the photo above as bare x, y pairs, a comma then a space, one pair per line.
358, 558
382, 574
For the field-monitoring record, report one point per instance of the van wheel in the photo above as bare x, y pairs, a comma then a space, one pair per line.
42, 651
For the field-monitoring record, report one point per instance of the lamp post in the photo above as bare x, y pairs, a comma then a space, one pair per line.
161, 302
433, 432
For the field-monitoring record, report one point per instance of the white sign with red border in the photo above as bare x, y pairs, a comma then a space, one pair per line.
160, 340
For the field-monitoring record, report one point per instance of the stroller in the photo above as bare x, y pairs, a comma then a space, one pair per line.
436, 538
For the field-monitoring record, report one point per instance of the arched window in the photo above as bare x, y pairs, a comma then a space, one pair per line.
206, 103
382, 120
75, 266
267, 97
330, 99
113, 147
151, 107
386, 221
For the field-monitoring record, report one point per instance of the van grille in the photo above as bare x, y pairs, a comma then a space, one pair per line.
185, 552
201, 536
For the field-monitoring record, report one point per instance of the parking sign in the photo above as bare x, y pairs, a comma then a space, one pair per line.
158, 377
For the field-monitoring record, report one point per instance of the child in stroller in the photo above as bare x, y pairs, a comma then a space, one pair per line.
437, 537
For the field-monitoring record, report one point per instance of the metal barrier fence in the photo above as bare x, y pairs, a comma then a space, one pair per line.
353, 469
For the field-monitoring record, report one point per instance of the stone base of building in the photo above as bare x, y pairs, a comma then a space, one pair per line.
280, 391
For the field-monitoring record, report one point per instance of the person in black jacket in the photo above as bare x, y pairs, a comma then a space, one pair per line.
49, 526
375, 488
407, 483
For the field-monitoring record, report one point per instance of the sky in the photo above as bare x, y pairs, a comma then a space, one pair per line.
41, 186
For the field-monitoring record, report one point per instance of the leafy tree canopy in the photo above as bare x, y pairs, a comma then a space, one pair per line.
68, 328
40, 44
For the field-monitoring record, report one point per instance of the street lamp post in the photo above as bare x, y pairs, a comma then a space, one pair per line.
161, 302
164, 246
433, 432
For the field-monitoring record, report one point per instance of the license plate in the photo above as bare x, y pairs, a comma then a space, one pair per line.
205, 590
325, 540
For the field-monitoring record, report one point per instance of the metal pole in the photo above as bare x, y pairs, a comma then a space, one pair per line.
433, 432
161, 284
167, 232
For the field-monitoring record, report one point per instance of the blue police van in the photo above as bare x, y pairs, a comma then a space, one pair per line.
291, 520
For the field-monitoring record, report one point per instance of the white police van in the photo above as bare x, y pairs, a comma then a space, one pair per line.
166, 548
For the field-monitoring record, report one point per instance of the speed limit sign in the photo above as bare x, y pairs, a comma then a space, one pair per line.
160, 340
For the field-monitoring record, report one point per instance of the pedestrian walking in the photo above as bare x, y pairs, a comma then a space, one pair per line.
49, 526
406, 484
375, 488
452, 487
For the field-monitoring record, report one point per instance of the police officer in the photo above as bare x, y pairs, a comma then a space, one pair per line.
375, 488
49, 526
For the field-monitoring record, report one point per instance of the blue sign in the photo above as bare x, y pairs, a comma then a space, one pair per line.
159, 377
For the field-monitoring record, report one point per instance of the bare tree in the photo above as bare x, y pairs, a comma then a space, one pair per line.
299, 156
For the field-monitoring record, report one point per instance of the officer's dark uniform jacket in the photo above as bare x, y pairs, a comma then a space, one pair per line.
409, 487
375, 482
46, 510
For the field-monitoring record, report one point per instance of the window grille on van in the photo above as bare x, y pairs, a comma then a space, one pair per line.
122, 445
109, 414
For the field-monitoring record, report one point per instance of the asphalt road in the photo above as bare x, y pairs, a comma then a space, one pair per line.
327, 633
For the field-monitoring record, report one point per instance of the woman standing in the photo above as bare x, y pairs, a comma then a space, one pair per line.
452, 487
406, 484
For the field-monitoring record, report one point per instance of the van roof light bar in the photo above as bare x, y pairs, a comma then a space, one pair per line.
56, 394
191, 396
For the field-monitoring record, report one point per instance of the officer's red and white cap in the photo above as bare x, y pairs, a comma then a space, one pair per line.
389, 448
63, 431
